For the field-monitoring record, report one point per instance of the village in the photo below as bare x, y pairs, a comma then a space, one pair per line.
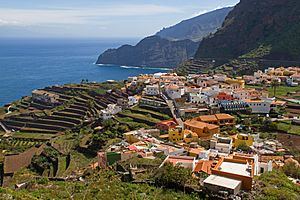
219, 128
205, 136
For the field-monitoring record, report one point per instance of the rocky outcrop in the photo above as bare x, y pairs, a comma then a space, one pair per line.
150, 52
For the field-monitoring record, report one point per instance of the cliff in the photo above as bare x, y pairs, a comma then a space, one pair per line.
152, 51
268, 29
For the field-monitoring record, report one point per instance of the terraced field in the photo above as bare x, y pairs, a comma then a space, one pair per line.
141, 117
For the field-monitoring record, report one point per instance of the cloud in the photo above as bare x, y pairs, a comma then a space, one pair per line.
31, 17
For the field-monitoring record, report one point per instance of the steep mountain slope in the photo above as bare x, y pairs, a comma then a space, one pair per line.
257, 29
170, 46
196, 28
152, 51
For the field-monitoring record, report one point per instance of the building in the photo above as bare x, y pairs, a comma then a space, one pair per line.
259, 106
132, 100
204, 166
203, 130
233, 106
181, 161
152, 90
190, 136
221, 144
176, 134
218, 119
232, 175
152, 102
224, 96
45, 97
236, 83
110, 111
241, 139
174, 91
166, 125
198, 98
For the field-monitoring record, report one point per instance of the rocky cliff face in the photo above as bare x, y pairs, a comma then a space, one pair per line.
169, 47
196, 28
257, 29
150, 52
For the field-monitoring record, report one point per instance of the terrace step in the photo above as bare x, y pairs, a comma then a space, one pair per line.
63, 119
35, 125
45, 121
75, 111
36, 130
67, 114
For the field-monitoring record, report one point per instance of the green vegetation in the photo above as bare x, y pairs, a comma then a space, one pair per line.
276, 185
292, 169
259, 52
102, 185
103, 87
170, 176
283, 90
288, 127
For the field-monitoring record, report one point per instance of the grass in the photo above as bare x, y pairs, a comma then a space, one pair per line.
78, 161
288, 128
282, 90
101, 185
276, 185
153, 113
31, 136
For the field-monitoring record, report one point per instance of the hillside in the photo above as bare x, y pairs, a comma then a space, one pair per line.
267, 29
196, 28
152, 51
170, 46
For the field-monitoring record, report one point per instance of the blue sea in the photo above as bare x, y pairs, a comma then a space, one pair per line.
27, 64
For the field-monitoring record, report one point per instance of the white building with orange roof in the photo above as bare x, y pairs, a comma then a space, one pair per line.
174, 91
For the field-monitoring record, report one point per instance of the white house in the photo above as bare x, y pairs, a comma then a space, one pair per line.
241, 94
259, 106
174, 91
220, 77
221, 144
198, 98
290, 82
152, 90
132, 100
110, 111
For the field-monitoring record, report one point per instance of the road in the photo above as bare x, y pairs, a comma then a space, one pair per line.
173, 110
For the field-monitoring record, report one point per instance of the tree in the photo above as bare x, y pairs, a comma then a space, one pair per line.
243, 147
274, 85
172, 176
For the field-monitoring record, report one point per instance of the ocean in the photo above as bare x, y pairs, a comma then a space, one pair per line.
28, 64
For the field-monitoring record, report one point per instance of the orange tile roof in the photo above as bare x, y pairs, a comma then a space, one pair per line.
180, 159
199, 124
204, 166
208, 118
223, 116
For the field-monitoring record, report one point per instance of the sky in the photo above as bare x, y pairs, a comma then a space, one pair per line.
97, 18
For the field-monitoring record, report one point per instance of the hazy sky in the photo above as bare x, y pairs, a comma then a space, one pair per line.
97, 18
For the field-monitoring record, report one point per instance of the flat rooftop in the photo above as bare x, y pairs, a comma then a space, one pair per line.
222, 181
235, 168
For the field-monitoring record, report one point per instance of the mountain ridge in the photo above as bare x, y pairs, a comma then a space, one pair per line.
157, 51
196, 28
257, 29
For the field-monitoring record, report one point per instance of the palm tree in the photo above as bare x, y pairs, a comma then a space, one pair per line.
274, 85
